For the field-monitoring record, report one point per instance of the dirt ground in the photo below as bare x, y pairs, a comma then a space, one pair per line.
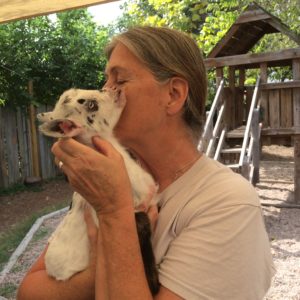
17, 207
275, 188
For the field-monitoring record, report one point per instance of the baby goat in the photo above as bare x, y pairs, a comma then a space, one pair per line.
82, 114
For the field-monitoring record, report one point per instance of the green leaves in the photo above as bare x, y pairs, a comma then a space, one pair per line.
56, 56
207, 20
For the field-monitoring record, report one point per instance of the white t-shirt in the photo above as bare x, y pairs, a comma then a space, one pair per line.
210, 240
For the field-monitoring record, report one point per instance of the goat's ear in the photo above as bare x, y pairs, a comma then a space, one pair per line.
45, 117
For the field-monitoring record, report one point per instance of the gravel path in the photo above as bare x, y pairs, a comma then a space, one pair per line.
283, 226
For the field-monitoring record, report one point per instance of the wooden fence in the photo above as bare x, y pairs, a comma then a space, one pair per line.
24, 152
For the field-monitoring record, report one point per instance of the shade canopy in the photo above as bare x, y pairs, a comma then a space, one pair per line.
12, 10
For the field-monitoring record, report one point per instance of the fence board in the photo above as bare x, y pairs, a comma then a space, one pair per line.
11, 136
274, 108
48, 168
3, 163
16, 161
286, 105
23, 142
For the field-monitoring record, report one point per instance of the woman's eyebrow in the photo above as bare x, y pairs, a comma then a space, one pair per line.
115, 70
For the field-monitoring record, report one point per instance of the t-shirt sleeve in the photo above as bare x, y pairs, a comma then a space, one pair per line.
221, 254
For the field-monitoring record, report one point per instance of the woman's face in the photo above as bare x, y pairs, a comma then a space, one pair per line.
146, 99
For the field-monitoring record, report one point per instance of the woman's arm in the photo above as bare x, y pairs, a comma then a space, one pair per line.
37, 285
101, 178
121, 256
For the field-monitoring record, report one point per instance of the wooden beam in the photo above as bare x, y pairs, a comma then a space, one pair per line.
264, 99
242, 76
297, 168
12, 10
296, 100
296, 109
253, 60
278, 131
219, 47
252, 17
284, 29
280, 85
219, 76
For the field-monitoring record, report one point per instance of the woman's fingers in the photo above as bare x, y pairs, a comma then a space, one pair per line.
66, 150
105, 148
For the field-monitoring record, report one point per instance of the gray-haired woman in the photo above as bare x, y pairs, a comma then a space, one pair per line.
209, 238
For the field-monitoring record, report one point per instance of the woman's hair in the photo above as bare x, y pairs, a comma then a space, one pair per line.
168, 53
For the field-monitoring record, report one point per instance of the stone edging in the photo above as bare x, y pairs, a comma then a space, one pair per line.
24, 243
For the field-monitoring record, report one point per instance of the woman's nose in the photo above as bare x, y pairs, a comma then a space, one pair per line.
111, 89
107, 87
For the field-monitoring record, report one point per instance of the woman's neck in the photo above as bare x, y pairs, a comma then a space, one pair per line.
167, 160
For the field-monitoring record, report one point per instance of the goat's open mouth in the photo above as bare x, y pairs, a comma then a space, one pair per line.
61, 128
65, 126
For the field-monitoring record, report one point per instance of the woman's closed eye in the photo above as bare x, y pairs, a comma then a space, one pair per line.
121, 81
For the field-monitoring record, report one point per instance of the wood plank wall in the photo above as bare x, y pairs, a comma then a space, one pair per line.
16, 153
277, 106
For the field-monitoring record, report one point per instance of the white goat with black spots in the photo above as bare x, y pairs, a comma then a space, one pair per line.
81, 114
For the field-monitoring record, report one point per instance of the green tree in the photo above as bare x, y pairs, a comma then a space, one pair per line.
55, 56
23, 53
208, 20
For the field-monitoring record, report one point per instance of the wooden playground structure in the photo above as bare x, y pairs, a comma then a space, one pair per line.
242, 118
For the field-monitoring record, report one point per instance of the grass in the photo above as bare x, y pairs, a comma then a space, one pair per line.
19, 187
11, 239
7, 289
41, 233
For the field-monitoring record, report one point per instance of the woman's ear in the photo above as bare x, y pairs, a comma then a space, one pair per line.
178, 93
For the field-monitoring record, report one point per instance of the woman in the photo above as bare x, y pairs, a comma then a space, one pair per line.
209, 239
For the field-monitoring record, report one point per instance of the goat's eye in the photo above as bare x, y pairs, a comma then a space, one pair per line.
92, 105
81, 101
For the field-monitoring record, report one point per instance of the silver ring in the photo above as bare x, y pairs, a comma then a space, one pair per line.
60, 164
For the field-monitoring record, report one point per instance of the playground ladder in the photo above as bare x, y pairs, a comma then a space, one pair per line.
215, 140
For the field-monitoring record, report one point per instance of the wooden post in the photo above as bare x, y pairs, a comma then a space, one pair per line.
3, 171
232, 104
34, 138
240, 108
219, 76
264, 94
255, 128
296, 109
242, 77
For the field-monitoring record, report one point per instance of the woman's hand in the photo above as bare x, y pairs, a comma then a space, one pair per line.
100, 177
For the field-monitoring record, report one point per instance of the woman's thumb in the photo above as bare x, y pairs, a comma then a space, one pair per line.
103, 146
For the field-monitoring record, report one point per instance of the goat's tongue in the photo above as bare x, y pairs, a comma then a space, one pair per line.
67, 126
70, 128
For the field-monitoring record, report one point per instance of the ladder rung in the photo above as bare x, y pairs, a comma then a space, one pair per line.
233, 166
232, 150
